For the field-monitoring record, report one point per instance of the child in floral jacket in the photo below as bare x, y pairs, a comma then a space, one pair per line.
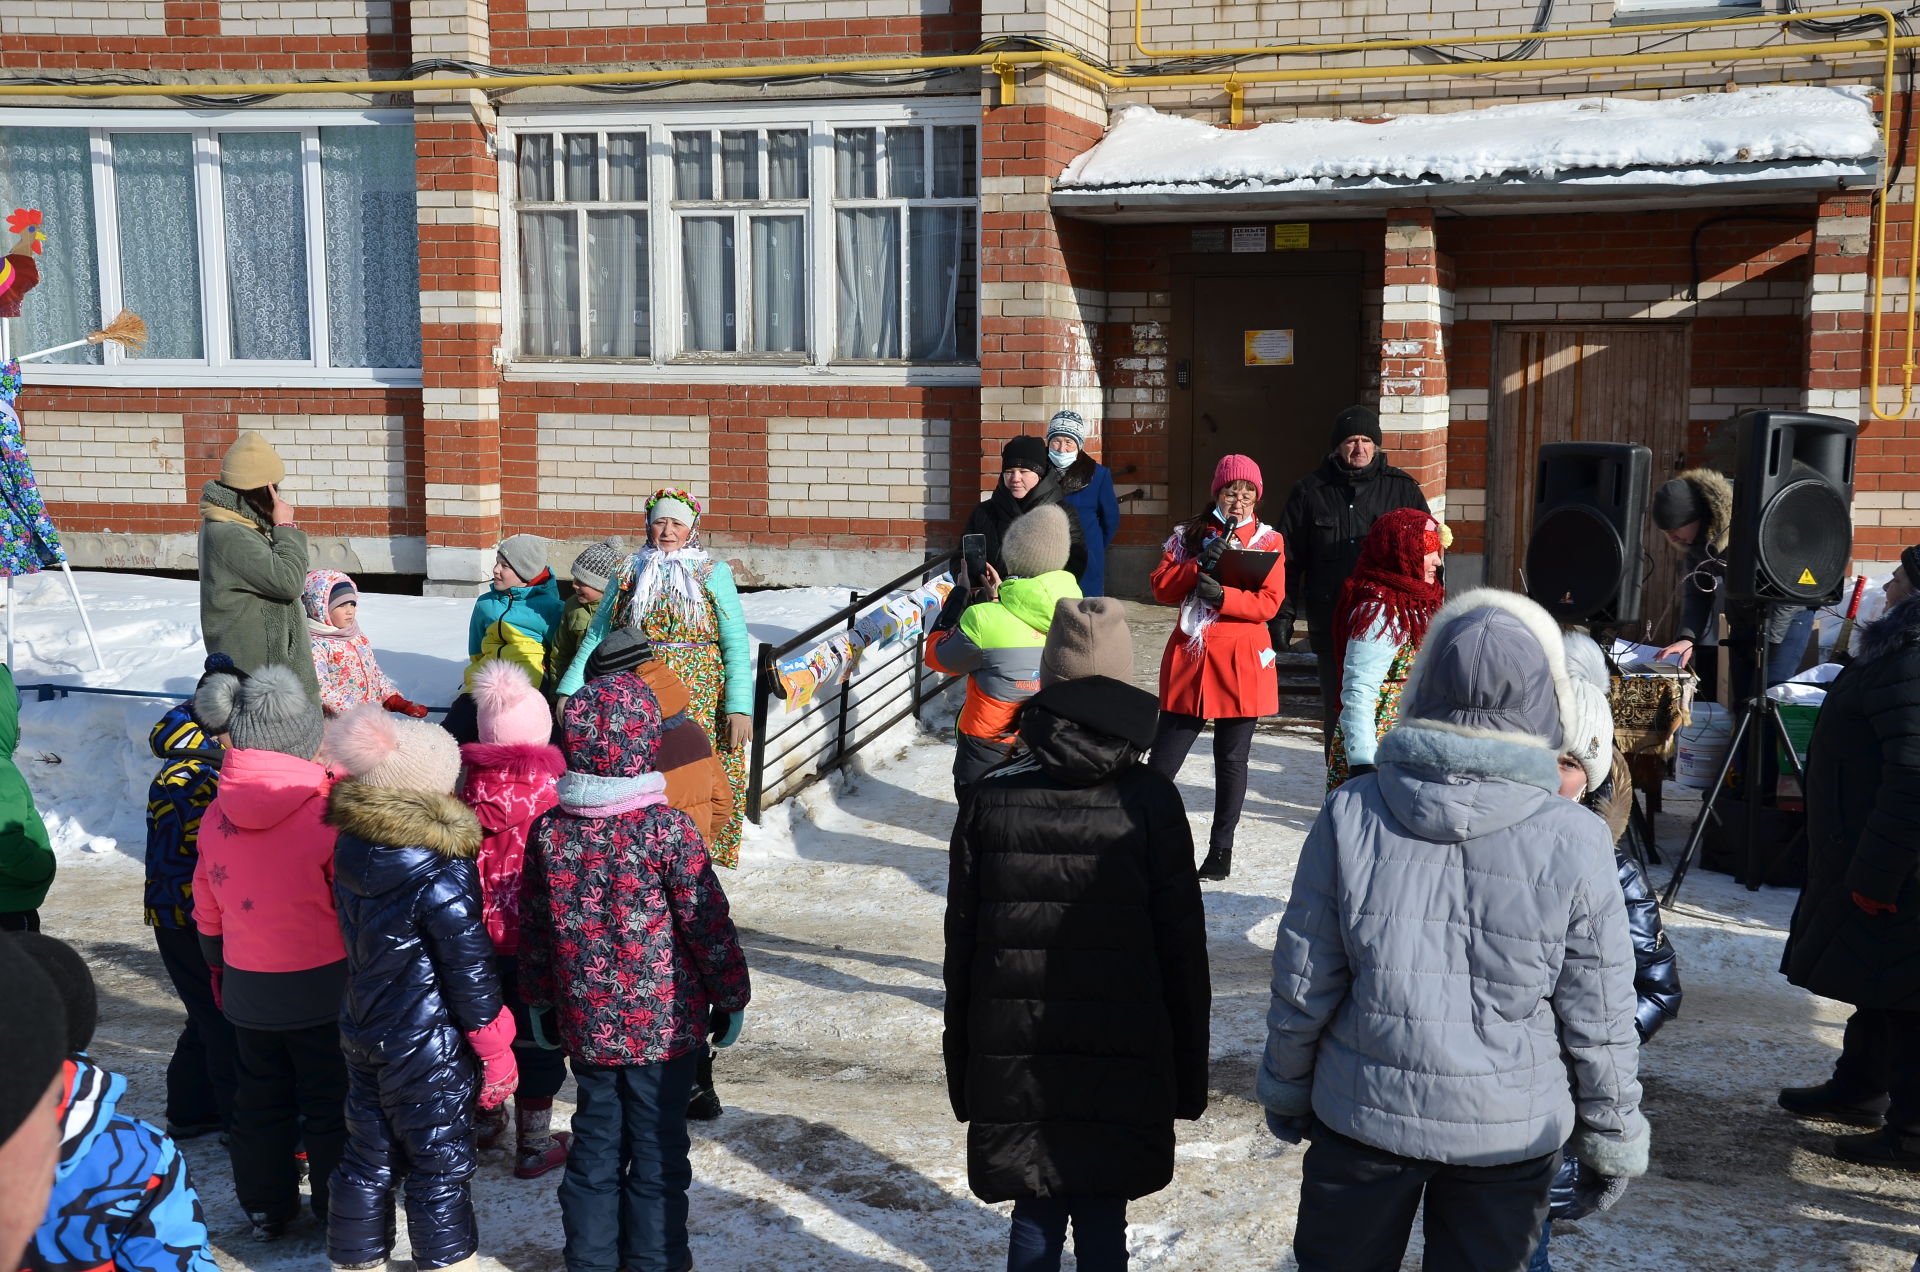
625, 931
343, 659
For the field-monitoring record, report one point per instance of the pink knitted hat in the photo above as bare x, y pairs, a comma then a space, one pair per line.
1232, 468
382, 749
510, 709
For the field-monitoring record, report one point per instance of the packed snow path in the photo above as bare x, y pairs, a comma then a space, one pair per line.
838, 1151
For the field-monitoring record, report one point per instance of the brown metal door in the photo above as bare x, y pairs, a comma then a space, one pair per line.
1584, 383
1266, 351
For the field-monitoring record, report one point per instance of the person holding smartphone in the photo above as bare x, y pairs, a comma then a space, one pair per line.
1218, 663
253, 566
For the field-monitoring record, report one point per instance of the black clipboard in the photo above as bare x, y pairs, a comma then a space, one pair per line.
1246, 570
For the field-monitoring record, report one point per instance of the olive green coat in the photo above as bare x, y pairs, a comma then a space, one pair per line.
251, 576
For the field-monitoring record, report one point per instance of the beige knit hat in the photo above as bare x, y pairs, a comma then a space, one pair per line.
251, 463
381, 749
1089, 637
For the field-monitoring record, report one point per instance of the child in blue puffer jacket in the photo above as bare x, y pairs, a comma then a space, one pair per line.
1590, 775
421, 1023
510, 622
121, 1197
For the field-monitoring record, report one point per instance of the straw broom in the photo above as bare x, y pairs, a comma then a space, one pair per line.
128, 330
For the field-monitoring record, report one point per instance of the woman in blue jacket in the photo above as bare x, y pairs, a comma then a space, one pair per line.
1087, 488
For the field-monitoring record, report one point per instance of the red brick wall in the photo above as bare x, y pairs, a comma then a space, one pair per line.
194, 42
732, 32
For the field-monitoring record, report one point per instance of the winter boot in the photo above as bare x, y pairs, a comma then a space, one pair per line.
539, 1148
1829, 1103
1219, 863
267, 1227
469, 1264
488, 1126
1890, 1148
704, 1104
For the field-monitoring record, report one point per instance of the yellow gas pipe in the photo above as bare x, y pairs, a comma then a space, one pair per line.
1004, 65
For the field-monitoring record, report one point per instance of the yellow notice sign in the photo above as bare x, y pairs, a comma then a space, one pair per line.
1290, 236
1806, 578
1270, 348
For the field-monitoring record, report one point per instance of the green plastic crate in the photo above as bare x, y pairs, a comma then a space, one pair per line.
1798, 717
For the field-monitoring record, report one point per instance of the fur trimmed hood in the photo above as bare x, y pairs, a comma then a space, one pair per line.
1894, 630
1493, 668
1716, 492
391, 817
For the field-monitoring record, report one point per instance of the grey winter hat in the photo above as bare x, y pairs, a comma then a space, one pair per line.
1089, 637
1037, 542
1494, 666
267, 711
620, 651
525, 555
596, 564
1068, 424
1678, 503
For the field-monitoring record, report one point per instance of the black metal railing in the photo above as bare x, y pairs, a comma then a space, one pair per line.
884, 686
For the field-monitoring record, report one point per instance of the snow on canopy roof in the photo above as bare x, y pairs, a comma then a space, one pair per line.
1145, 151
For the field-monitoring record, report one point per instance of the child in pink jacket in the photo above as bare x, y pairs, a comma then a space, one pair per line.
263, 904
511, 772
343, 659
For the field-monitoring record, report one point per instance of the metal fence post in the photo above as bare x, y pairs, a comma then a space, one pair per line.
757, 750
846, 689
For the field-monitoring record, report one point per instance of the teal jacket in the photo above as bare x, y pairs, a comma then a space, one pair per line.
513, 626
26, 858
736, 650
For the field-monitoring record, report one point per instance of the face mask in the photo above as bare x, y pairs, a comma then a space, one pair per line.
1060, 459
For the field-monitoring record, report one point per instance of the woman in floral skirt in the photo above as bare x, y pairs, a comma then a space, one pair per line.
684, 602
1378, 625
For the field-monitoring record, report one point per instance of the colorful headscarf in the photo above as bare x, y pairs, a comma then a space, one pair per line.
1387, 585
678, 577
317, 597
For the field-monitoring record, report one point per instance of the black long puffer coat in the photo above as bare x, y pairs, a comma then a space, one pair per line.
420, 978
1863, 827
992, 515
1076, 963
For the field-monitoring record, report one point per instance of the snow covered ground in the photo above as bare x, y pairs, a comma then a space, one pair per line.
838, 1152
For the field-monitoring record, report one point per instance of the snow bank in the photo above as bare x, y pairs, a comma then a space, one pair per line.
86, 756
1146, 151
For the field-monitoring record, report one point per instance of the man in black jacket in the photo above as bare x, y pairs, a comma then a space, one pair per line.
1326, 520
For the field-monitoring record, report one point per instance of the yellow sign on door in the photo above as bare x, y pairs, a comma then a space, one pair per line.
1270, 348
1290, 236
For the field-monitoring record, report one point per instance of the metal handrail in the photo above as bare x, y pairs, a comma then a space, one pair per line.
830, 742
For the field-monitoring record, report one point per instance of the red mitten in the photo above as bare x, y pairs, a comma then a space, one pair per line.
499, 1071
216, 971
1871, 906
395, 703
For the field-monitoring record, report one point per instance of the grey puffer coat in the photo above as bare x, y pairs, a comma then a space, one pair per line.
1453, 979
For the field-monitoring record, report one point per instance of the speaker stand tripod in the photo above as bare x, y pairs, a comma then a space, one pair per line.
1758, 721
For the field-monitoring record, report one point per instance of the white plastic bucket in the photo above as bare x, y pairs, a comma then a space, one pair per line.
1702, 745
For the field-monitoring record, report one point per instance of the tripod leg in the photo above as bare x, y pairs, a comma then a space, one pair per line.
1685, 861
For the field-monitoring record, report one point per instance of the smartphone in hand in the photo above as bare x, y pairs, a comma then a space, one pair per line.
973, 550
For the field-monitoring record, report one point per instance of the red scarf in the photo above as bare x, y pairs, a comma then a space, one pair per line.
1388, 582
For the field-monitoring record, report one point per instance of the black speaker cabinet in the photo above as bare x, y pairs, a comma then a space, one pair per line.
1589, 504
1792, 533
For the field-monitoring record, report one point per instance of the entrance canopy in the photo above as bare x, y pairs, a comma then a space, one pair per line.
1754, 145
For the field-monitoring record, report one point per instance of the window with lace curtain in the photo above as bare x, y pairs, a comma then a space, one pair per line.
269, 249
810, 236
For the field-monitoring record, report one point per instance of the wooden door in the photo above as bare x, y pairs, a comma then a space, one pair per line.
1623, 382
1266, 351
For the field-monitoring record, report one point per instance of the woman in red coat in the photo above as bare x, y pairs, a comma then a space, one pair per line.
1218, 664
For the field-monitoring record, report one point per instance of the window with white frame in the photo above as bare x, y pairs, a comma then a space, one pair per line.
762, 238
274, 247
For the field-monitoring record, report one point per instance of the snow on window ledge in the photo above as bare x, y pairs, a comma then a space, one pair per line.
1639, 12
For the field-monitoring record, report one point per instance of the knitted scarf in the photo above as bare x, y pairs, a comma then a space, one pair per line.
1387, 587
1196, 616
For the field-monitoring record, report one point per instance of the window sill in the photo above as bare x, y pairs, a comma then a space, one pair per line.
131, 376
586, 372
1683, 11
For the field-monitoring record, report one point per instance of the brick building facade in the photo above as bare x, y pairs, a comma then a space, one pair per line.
823, 299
